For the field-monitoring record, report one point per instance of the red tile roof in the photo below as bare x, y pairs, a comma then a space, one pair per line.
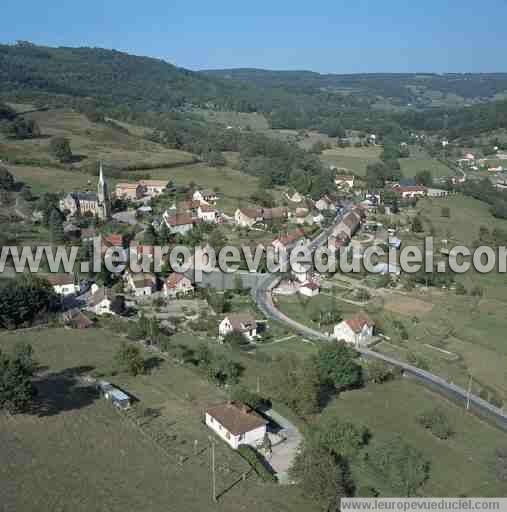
173, 279
180, 219
358, 321
236, 417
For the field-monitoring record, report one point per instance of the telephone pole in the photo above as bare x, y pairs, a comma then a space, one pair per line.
213, 476
469, 392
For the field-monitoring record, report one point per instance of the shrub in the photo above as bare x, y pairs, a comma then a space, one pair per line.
437, 422
257, 462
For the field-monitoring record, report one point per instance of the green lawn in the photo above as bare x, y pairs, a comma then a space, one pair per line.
353, 159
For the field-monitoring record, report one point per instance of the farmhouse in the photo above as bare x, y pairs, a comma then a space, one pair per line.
357, 330
243, 323
177, 284
63, 284
205, 196
236, 423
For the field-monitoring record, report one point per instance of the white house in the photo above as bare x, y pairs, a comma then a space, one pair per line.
247, 217
207, 213
178, 223
357, 330
243, 323
63, 284
301, 272
309, 289
205, 196
324, 203
153, 188
100, 300
142, 283
236, 423
177, 284
408, 192
345, 181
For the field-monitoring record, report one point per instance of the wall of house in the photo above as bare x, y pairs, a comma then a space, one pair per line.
230, 439
343, 332
254, 437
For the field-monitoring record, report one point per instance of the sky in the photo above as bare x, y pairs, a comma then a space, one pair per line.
326, 36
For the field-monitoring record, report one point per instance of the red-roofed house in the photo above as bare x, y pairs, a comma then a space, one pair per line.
288, 238
408, 192
177, 284
180, 223
357, 329
207, 213
236, 423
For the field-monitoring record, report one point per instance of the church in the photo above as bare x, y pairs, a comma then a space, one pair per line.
80, 203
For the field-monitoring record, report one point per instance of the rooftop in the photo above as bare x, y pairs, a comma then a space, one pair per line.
237, 417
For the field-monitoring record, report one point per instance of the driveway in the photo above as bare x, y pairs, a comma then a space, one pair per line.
283, 455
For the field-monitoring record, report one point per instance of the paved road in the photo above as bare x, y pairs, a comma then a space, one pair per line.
263, 297
283, 455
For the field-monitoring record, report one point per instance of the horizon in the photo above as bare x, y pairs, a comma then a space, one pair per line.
338, 39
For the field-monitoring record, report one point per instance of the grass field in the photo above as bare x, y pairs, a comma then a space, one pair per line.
91, 142
393, 408
353, 159
238, 120
471, 328
80, 453
357, 159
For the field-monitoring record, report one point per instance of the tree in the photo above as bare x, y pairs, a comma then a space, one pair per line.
416, 224
7, 181
56, 234
235, 339
424, 178
25, 301
320, 476
404, 467
379, 372
342, 438
129, 359
338, 366
59, 148
215, 159
297, 384
16, 370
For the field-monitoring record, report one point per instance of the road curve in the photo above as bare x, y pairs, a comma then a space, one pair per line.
262, 294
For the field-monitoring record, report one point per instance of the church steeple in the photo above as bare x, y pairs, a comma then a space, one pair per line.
103, 195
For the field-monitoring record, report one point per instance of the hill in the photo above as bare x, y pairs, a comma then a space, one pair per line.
419, 89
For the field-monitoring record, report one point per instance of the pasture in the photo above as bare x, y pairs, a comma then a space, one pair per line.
76, 451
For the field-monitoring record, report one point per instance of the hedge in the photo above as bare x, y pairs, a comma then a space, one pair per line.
257, 462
